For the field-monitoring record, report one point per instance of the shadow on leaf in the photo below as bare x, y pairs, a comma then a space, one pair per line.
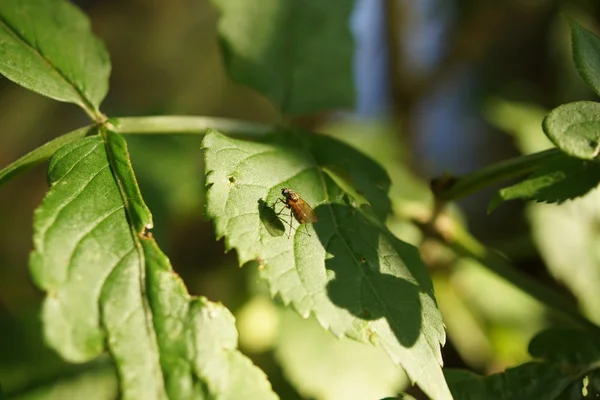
270, 219
367, 263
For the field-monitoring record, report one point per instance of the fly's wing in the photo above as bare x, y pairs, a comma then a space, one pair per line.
304, 213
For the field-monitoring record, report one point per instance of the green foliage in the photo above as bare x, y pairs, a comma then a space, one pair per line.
110, 289
568, 358
556, 181
575, 243
532, 380
299, 55
348, 270
109, 285
47, 46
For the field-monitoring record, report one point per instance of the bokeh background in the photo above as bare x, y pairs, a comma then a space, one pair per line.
442, 87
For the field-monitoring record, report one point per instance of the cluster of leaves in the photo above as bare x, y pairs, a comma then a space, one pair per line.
108, 285
574, 128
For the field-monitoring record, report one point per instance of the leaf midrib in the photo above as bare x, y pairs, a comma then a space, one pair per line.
148, 313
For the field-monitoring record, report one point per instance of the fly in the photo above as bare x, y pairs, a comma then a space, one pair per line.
300, 209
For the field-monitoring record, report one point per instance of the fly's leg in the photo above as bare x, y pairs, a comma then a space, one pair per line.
285, 206
306, 230
290, 231
280, 211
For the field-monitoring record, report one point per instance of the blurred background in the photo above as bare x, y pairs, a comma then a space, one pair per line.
442, 86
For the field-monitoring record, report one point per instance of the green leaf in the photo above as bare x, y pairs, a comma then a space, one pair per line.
109, 285
567, 238
347, 270
42, 153
563, 178
527, 381
576, 348
299, 55
586, 55
320, 366
575, 128
47, 46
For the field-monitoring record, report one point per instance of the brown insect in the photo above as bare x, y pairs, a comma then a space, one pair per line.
303, 213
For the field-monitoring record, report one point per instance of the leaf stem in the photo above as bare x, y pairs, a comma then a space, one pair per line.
42, 153
188, 125
499, 172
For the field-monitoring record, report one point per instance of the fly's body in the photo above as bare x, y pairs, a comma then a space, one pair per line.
302, 212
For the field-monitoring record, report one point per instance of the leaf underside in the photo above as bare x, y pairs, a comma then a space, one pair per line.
108, 284
347, 270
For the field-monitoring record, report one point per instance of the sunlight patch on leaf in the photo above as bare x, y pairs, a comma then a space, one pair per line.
347, 270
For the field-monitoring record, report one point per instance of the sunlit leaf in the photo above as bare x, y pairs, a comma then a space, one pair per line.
109, 286
575, 128
47, 46
298, 54
347, 269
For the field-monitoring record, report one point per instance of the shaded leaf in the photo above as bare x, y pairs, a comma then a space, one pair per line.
576, 348
47, 46
586, 55
299, 55
561, 179
109, 285
348, 270
527, 381
575, 128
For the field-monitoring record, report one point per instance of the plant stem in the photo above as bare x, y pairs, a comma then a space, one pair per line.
499, 172
188, 125
42, 153
465, 244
